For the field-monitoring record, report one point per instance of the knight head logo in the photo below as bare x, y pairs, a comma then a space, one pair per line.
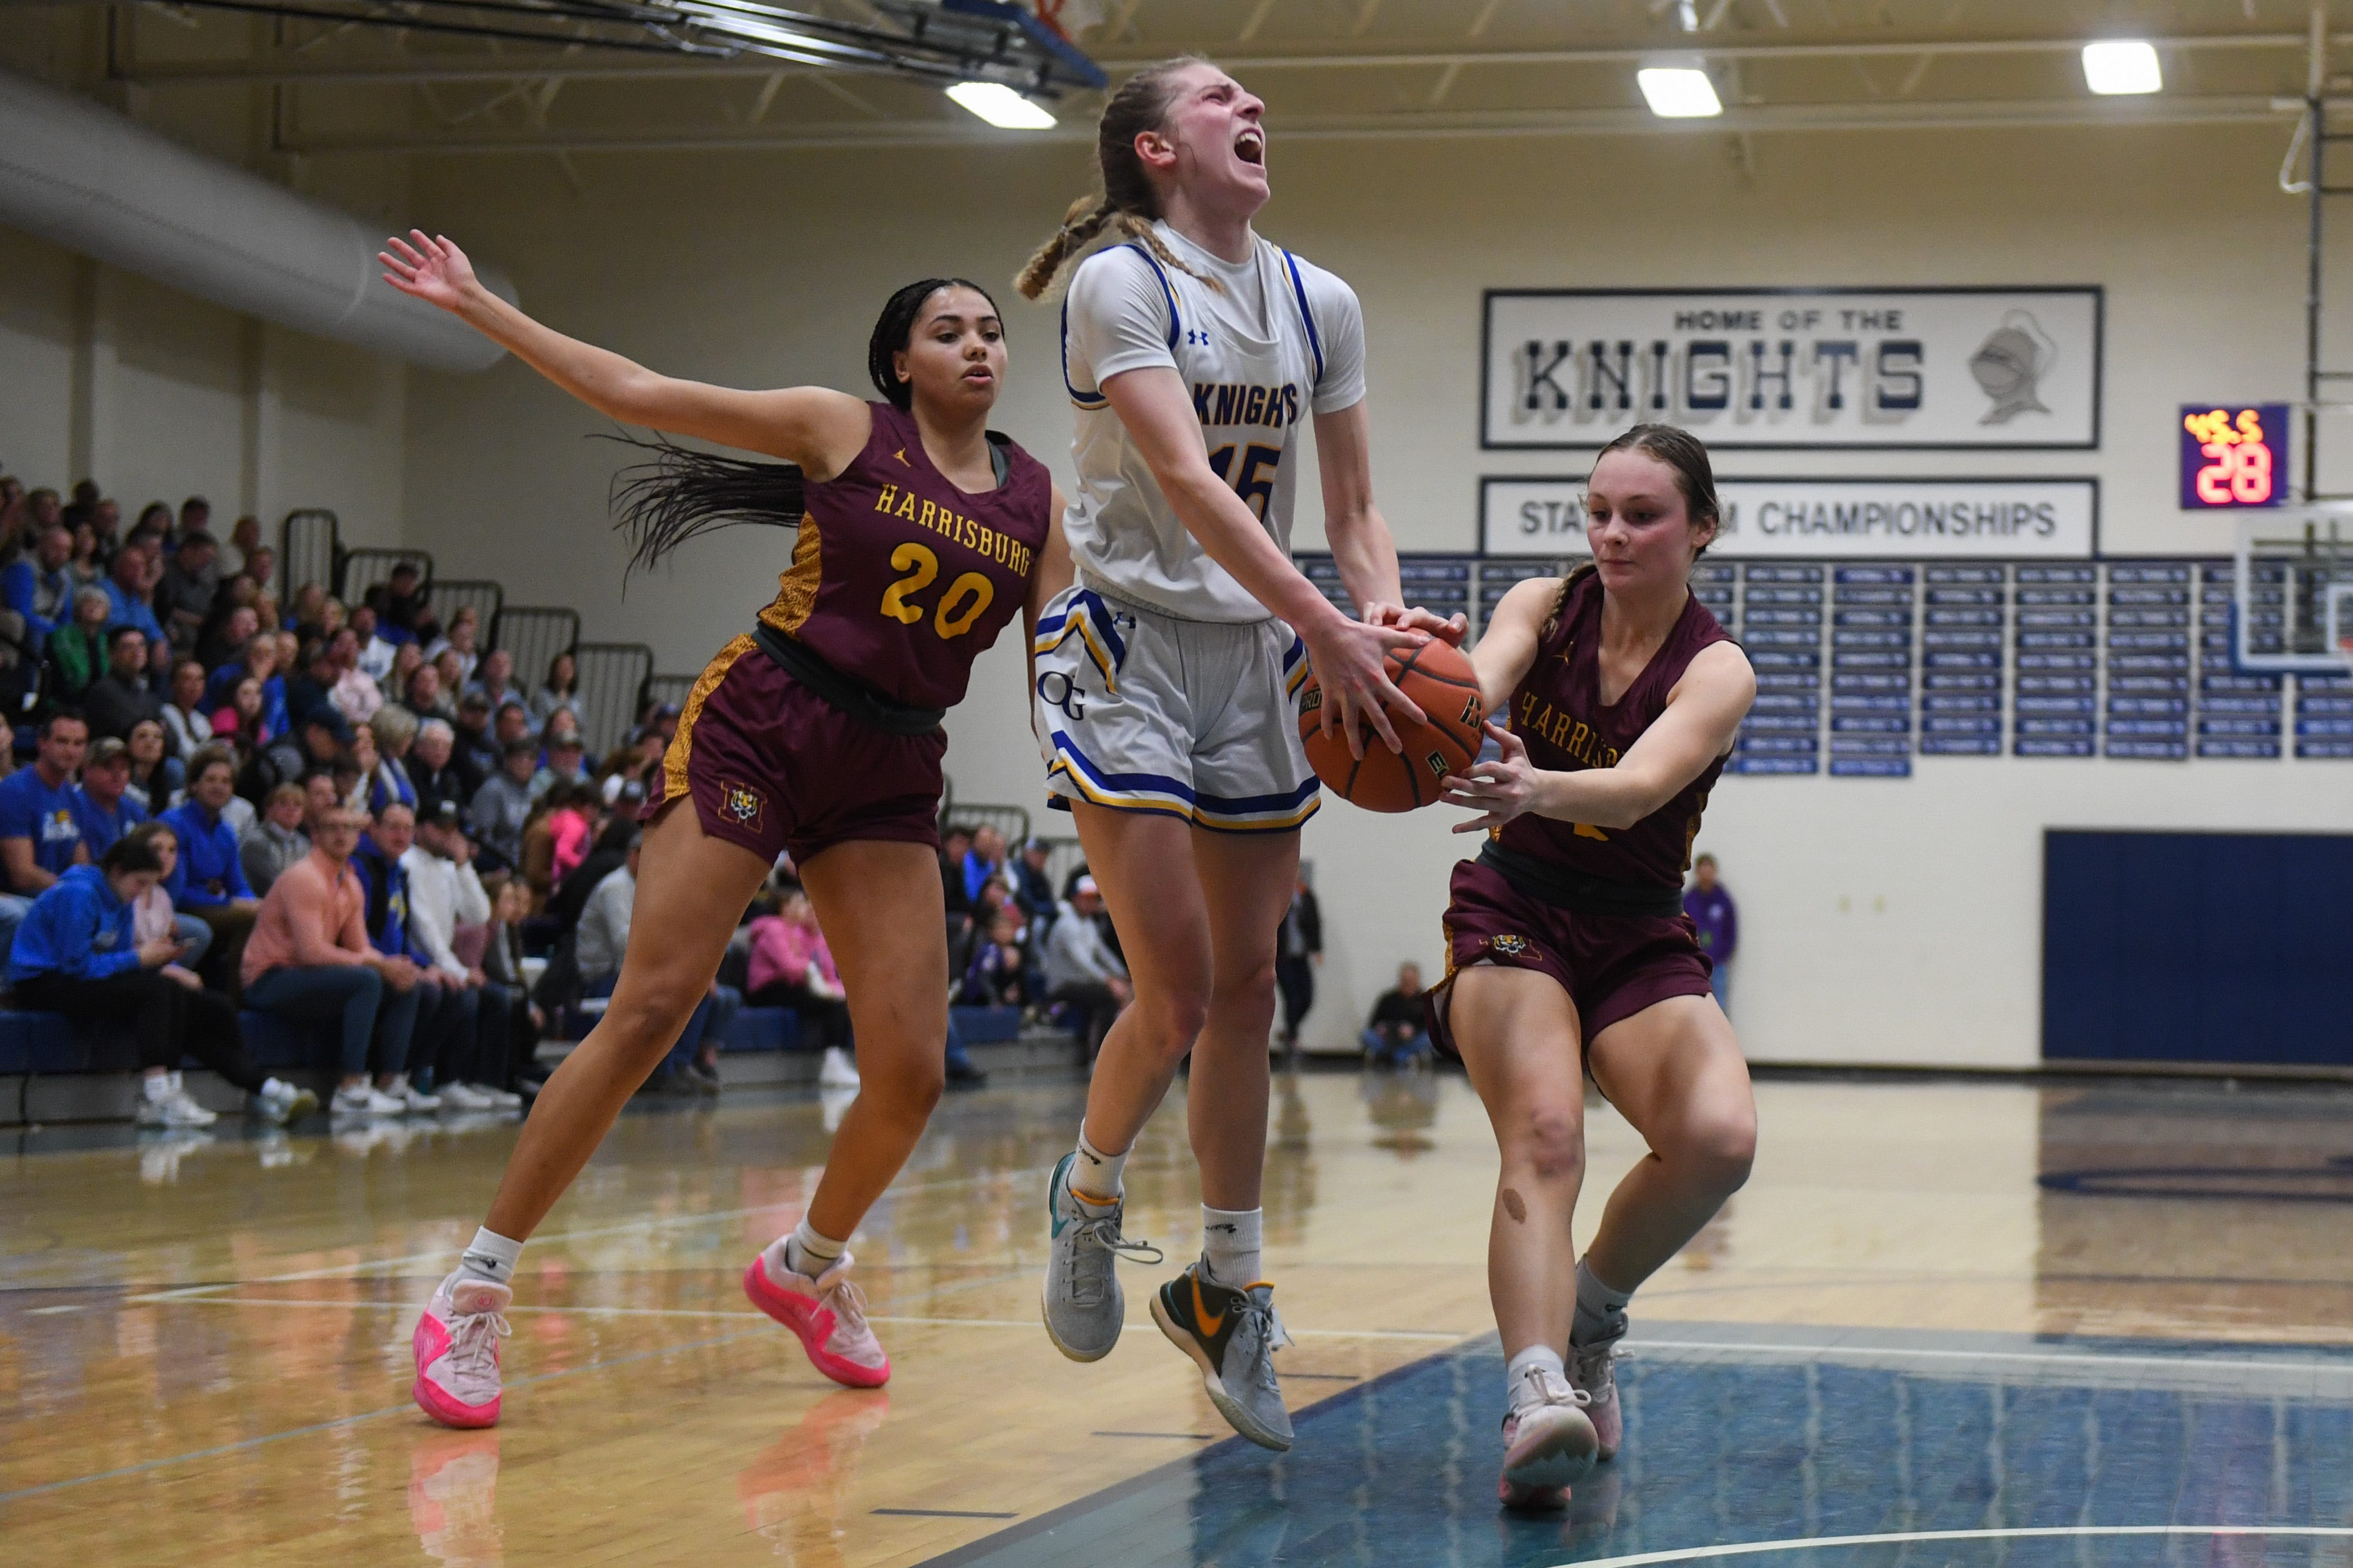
2010, 366
741, 801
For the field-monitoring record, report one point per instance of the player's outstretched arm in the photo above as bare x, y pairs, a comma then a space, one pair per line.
1702, 714
1359, 536
819, 428
1508, 646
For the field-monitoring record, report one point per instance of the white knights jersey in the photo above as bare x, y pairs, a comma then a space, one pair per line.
1280, 340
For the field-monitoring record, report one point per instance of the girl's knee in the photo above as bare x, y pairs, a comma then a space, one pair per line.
1548, 1139
652, 1010
1720, 1148
1173, 1020
906, 1092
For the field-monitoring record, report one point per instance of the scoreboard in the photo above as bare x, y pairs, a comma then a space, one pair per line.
2233, 457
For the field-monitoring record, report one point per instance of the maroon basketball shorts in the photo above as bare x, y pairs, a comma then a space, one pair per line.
1612, 966
773, 767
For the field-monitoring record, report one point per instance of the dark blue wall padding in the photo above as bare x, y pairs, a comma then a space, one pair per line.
2198, 947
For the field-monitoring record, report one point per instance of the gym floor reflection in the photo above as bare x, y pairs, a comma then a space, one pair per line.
1964, 1315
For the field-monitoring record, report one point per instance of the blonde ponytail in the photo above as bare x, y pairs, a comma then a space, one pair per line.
1128, 203
1081, 225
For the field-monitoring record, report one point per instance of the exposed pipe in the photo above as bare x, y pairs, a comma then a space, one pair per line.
584, 66
1885, 115
83, 177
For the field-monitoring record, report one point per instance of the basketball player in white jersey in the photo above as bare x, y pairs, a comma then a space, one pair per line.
1168, 675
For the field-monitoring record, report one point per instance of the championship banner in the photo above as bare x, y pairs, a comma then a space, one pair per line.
1826, 369
1990, 519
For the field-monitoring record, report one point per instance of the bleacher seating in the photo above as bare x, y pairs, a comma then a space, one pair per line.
47, 1045
779, 1028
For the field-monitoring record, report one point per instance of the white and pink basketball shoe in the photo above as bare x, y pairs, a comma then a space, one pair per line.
827, 1313
457, 1348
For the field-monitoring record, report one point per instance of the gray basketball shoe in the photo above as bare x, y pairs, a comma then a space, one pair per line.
1085, 1309
1232, 1336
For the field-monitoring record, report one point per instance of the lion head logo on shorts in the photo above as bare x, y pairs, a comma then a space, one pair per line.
1511, 946
742, 802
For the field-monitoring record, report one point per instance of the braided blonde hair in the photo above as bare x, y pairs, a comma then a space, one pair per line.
1129, 203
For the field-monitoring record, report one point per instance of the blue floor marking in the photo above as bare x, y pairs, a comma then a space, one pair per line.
1767, 1436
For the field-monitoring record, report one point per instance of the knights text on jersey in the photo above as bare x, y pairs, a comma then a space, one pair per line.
1275, 341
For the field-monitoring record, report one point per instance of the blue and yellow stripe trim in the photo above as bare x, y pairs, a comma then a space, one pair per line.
1306, 316
1089, 401
1295, 668
1086, 617
1160, 795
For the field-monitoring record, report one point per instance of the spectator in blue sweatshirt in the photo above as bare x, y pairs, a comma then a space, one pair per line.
1713, 915
41, 587
76, 955
40, 838
443, 1047
101, 803
209, 882
130, 590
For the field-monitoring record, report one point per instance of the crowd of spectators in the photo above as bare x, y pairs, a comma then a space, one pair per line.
349, 817
1018, 941
237, 793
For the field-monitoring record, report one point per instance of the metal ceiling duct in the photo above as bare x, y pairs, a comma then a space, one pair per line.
83, 177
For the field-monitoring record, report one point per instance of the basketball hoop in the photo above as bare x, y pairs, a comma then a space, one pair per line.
2292, 592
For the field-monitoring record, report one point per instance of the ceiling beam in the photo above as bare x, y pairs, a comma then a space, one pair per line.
1884, 115
572, 64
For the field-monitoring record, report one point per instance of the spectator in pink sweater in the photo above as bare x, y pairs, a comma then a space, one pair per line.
572, 829
309, 959
792, 967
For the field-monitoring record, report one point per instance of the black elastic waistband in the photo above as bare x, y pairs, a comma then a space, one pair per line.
846, 692
1563, 890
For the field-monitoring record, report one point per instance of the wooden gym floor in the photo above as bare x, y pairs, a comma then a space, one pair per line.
1966, 1324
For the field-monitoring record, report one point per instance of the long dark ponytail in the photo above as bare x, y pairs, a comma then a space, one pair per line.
678, 493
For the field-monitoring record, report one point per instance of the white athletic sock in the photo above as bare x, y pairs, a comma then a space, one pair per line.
1098, 1176
490, 1256
808, 1254
1229, 1243
276, 1088
1600, 1307
1517, 1390
156, 1087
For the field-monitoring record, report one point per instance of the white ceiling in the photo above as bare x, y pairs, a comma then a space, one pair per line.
1326, 69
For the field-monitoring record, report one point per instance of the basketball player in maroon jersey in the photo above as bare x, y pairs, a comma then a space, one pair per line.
920, 533
1567, 951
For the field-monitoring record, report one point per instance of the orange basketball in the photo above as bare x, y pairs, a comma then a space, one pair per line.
1440, 681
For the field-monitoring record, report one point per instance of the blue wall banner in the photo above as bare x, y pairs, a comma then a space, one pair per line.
1824, 369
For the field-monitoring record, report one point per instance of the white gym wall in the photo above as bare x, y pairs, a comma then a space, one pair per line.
1883, 921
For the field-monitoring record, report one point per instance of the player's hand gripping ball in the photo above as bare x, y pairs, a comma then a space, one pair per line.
1441, 682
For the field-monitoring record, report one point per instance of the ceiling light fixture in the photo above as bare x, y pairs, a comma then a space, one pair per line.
2117, 66
1001, 106
1678, 92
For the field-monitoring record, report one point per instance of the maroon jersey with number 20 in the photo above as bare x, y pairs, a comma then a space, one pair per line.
898, 580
